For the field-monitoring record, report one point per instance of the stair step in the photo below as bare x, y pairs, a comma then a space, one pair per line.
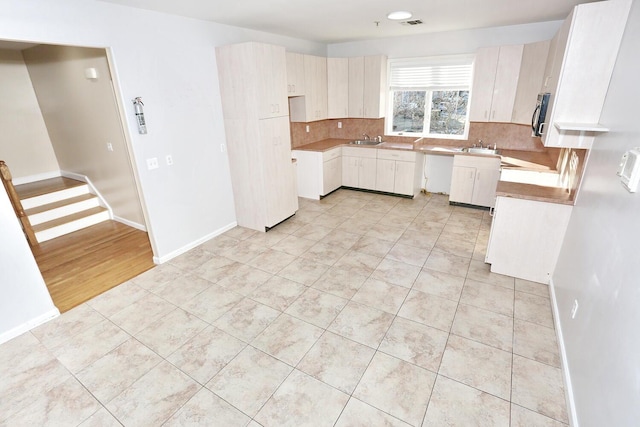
65, 207
70, 223
55, 196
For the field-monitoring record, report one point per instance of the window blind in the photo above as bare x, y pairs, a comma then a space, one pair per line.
446, 72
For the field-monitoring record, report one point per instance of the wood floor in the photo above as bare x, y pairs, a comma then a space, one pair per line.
88, 262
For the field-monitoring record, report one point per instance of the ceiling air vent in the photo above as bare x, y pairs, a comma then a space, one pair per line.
412, 22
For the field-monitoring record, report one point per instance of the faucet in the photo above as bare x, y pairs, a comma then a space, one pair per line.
366, 137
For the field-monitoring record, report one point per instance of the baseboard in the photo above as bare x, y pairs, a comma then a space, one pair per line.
25, 327
130, 223
36, 177
170, 256
573, 416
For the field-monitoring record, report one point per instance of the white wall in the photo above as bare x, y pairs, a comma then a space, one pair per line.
24, 142
170, 62
599, 262
24, 299
453, 42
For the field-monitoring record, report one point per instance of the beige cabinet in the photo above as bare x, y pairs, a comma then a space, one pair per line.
367, 86
318, 173
530, 80
359, 167
313, 105
495, 81
474, 180
257, 130
578, 70
337, 88
331, 174
526, 237
397, 172
295, 74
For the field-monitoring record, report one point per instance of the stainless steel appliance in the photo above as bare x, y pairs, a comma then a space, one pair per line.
539, 114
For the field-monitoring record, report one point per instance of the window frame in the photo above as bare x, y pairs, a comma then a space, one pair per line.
434, 61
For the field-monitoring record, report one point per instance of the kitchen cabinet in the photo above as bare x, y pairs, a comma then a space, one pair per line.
359, 167
313, 105
367, 86
578, 70
337, 88
319, 173
526, 237
397, 173
295, 74
495, 81
258, 135
530, 80
474, 180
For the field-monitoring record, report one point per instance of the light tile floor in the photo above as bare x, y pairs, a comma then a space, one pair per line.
362, 310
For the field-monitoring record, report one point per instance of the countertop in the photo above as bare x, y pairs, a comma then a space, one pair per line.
512, 159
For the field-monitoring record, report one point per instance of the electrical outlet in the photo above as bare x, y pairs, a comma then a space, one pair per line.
169, 160
307, 128
109, 146
574, 309
339, 125
152, 163
223, 148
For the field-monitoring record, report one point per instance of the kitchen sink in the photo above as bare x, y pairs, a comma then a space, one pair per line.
481, 150
365, 142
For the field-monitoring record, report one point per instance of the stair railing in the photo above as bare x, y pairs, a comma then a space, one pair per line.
17, 205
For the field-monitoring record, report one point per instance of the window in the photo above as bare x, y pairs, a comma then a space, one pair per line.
429, 97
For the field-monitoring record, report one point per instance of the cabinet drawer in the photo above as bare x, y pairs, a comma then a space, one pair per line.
405, 156
359, 152
331, 154
480, 161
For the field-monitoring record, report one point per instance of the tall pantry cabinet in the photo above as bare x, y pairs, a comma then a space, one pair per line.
253, 87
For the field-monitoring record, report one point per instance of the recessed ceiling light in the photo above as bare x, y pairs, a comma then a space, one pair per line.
398, 15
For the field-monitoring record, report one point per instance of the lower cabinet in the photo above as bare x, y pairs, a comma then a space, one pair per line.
397, 173
474, 180
390, 171
359, 167
526, 237
318, 173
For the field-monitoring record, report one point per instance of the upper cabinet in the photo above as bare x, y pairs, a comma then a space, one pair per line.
578, 70
260, 97
495, 83
337, 87
295, 74
313, 106
534, 58
367, 86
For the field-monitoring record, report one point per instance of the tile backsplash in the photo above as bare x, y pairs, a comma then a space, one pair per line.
507, 136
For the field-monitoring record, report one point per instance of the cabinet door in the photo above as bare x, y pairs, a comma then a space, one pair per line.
295, 74
375, 81
350, 171
506, 83
331, 175
273, 94
484, 76
356, 87
367, 173
484, 189
404, 182
462, 181
530, 80
385, 175
278, 181
337, 87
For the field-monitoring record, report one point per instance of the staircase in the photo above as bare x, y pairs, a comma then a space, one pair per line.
60, 206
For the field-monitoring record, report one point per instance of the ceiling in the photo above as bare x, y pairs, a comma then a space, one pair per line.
334, 21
